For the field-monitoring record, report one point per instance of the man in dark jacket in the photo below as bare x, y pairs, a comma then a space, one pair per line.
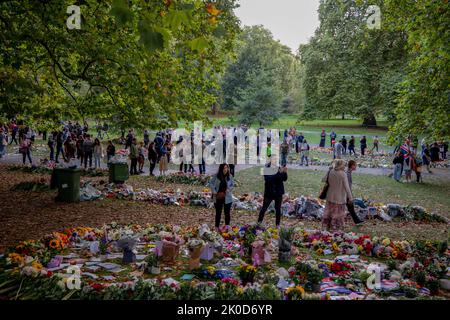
273, 191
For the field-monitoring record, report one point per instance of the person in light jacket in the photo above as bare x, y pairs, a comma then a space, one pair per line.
337, 196
98, 153
221, 186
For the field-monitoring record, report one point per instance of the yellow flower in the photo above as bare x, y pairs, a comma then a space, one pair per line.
16, 258
386, 242
54, 244
211, 270
300, 289
394, 254
360, 248
319, 251
335, 247
36, 265
240, 290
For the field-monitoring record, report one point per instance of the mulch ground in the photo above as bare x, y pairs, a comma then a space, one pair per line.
31, 215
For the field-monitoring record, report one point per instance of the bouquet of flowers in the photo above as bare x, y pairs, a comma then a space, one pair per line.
247, 273
295, 293
195, 247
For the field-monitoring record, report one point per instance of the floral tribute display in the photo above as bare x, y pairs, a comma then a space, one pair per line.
171, 262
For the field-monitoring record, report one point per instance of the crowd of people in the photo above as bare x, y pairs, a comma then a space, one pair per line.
73, 142
409, 159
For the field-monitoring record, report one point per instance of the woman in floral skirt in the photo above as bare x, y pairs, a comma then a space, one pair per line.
337, 196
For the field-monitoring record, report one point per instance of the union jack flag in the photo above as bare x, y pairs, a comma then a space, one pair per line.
405, 151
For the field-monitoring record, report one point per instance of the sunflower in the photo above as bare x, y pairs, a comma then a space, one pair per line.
16, 258
54, 244
36, 265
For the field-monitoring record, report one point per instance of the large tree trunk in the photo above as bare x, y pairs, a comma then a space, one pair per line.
370, 121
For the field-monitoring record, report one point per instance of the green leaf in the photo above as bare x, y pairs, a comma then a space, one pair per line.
150, 38
121, 12
198, 44
176, 18
220, 32
166, 33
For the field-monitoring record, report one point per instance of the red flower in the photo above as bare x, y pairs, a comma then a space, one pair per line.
97, 286
49, 274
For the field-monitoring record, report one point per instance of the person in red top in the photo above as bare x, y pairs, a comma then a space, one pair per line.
14, 128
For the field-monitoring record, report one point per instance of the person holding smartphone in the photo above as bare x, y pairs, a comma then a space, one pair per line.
273, 191
221, 186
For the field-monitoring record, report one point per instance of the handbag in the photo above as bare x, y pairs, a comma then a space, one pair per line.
324, 191
220, 196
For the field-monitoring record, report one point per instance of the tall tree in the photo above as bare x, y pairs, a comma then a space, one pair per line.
345, 62
424, 99
258, 53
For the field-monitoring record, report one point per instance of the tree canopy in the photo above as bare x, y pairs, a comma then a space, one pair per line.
140, 63
263, 73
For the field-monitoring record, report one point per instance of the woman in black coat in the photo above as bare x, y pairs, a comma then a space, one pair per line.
273, 191
152, 157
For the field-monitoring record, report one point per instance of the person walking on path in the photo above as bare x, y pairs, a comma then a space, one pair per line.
69, 147
159, 143
332, 138
129, 139
417, 166
163, 160
141, 157
304, 152
323, 136
152, 157
59, 146
80, 154
202, 165
298, 142
338, 149
376, 143
146, 138
363, 143
14, 130
338, 195
434, 154
284, 152
398, 166
344, 144
110, 150
98, 153
88, 149
134, 153
273, 191
3, 143
351, 146
51, 145
25, 150
221, 186
351, 166
426, 157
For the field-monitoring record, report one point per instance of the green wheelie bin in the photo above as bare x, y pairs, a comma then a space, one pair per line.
68, 183
118, 172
